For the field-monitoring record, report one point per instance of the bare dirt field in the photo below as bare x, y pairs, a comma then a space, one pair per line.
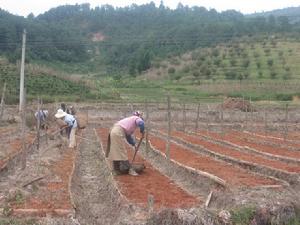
203, 166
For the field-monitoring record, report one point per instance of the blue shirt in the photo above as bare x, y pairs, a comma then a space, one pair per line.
70, 120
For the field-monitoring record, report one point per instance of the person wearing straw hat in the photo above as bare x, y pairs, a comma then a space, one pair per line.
71, 126
121, 134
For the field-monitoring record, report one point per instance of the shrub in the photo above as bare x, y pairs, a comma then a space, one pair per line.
171, 70
273, 75
258, 65
186, 69
284, 97
243, 215
270, 62
230, 75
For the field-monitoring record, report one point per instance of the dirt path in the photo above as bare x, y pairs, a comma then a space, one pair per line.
95, 198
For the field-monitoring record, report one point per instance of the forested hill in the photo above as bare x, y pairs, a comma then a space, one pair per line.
291, 13
128, 39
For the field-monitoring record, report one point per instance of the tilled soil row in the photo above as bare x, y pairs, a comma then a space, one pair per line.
241, 139
96, 193
247, 160
42, 189
13, 152
234, 177
151, 183
274, 142
291, 138
239, 146
245, 156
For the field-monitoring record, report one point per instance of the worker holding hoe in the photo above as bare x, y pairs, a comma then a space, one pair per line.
122, 133
70, 126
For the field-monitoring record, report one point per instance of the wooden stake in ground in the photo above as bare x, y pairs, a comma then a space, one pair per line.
222, 119
183, 118
208, 199
38, 124
2, 100
246, 116
285, 122
147, 127
197, 118
169, 129
207, 119
265, 121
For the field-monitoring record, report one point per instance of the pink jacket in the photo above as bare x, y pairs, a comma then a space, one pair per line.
129, 124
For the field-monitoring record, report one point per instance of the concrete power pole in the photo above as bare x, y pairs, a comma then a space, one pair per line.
22, 72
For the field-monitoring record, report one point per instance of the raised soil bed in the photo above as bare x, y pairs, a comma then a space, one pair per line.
233, 176
151, 182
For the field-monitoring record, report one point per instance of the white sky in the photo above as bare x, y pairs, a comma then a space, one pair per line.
25, 7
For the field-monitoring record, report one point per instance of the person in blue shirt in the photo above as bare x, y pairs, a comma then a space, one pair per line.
71, 128
42, 117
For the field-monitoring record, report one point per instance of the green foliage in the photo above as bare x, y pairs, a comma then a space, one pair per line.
15, 221
135, 33
293, 221
243, 216
171, 70
47, 87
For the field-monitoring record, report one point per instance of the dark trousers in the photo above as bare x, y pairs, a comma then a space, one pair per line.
121, 166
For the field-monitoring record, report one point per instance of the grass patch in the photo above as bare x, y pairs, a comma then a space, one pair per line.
13, 221
242, 216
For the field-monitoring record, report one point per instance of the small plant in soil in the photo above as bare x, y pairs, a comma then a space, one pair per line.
19, 198
242, 216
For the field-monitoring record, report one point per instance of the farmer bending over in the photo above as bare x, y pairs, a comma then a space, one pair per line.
71, 126
41, 116
121, 133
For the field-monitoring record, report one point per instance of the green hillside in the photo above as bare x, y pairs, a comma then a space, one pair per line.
272, 57
41, 83
149, 51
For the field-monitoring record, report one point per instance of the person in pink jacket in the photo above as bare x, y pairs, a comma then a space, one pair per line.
122, 133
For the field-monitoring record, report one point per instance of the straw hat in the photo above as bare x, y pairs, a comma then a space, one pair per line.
138, 113
60, 114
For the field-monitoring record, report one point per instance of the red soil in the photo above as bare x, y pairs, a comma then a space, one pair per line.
151, 182
14, 147
272, 139
241, 139
232, 175
224, 150
53, 195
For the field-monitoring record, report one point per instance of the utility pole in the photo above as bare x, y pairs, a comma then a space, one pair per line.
22, 72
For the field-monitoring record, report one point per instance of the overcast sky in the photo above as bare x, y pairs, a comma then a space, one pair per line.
25, 7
